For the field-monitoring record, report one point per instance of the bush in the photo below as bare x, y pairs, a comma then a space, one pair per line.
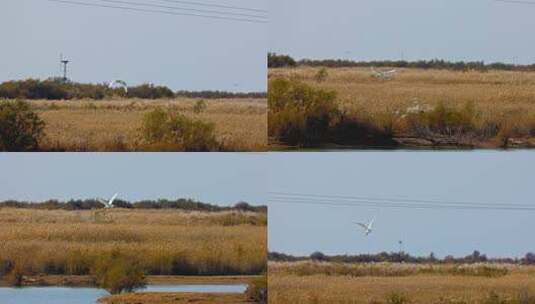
279, 61
397, 298
300, 115
179, 132
257, 291
443, 120
118, 273
149, 91
200, 106
321, 75
20, 128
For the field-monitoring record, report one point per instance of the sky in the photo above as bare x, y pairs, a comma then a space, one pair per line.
489, 177
217, 178
412, 30
104, 44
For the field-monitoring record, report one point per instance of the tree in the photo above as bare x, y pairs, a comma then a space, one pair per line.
20, 128
318, 256
119, 273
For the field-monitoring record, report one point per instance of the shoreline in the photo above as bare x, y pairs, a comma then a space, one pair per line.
88, 281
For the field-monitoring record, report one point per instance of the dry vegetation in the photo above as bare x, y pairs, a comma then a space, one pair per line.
162, 242
114, 125
398, 284
503, 102
173, 298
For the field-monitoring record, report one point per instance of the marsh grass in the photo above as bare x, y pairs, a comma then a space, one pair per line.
384, 283
481, 108
162, 242
115, 125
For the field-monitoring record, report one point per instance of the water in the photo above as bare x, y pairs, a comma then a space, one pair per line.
82, 295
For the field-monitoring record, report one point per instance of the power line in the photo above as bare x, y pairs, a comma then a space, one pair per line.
516, 1
183, 8
401, 200
216, 5
396, 205
158, 11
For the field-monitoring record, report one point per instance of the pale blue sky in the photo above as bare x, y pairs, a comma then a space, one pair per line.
104, 44
218, 178
489, 177
418, 29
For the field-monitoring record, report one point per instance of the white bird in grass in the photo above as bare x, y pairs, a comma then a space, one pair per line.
367, 227
384, 75
109, 204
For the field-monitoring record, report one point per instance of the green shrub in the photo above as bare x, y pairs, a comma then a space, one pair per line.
321, 75
279, 61
118, 273
443, 120
200, 106
300, 115
257, 291
397, 298
20, 128
179, 132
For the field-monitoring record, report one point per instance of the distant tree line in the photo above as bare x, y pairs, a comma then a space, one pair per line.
58, 89
396, 257
277, 61
88, 204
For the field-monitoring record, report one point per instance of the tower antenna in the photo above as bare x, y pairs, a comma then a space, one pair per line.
64, 63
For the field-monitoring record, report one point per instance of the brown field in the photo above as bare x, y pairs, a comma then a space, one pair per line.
439, 287
174, 298
114, 125
502, 98
165, 242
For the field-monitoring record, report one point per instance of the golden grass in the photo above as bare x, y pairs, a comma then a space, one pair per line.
285, 287
174, 298
502, 97
112, 125
164, 241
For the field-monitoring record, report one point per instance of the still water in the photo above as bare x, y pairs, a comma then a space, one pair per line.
79, 295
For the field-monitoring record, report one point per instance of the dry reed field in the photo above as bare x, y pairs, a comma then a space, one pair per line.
170, 298
163, 242
114, 125
503, 101
398, 284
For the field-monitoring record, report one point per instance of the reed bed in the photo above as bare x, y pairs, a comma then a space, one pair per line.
164, 242
503, 100
400, 283
114, 125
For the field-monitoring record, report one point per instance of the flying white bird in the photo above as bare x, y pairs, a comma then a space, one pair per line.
384, 75
367, 227
109, 204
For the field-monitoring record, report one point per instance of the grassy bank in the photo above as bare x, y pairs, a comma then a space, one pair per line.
395, 283
174, 298
429, 107
159, 242
114, 125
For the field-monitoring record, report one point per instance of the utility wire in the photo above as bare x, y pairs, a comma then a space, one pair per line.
401, 200
182, 8
515, 1
396, 205
158, 11
216, 5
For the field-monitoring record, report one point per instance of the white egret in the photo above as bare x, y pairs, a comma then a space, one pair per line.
109, 204
367, 227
